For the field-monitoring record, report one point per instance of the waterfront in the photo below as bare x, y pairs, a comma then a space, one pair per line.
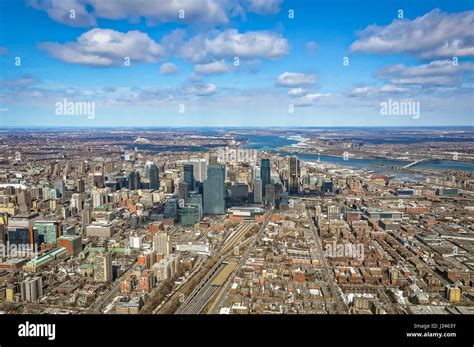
275, 143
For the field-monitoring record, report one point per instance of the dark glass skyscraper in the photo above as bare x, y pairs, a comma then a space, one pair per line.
134, 180
189, 175
214, 190
265, 173
294, 179
154, 177
171, 209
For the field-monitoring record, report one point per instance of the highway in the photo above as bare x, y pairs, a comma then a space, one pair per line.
201, 294
204, 291
223, 292
235, 237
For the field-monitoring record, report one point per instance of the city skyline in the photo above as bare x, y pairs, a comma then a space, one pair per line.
291, 67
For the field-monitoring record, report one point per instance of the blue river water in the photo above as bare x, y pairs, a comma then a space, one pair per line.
273, 142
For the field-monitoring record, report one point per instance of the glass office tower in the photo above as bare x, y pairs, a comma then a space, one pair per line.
214, 190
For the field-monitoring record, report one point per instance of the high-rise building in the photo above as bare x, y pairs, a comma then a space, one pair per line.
269, 195
72, 243
80, 187
60, 187
256, 172
294, 178
171, 209
188, 175
32, 289
334, 212
154, 177
196, 200
20, 230
161, 243
327, 186
99, 197
214, 190
77, 202
134, 180
200, 169
189, 215
257, 191
85, 217
239, 192
99, 180
183, 191
24, 200
2, 234
265, 173
103, 267
47, 231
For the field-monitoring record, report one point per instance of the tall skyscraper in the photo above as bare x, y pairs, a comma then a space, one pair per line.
188, 175
183, 191
256, 172
154, 177
265, 173
294, 179
77, 201
196, 200
171, 209
257, 191
80, 187
60, 187
269, 195
200, 169
134, 180
99, 180
103, 267
214, 190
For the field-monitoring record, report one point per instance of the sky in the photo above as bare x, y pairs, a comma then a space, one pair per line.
236, 63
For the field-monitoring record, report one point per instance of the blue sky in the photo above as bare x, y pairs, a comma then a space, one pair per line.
290, 70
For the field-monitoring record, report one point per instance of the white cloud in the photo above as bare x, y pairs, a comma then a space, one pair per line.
201, 89
373, 91
207, 12
60, 11
389, 88
263, 7
295, 79
436, 34
252, 44
436, 73
106, 47
205, 48
311, 99
311, 47
215, 67
168, 69
297, 92
19, 83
